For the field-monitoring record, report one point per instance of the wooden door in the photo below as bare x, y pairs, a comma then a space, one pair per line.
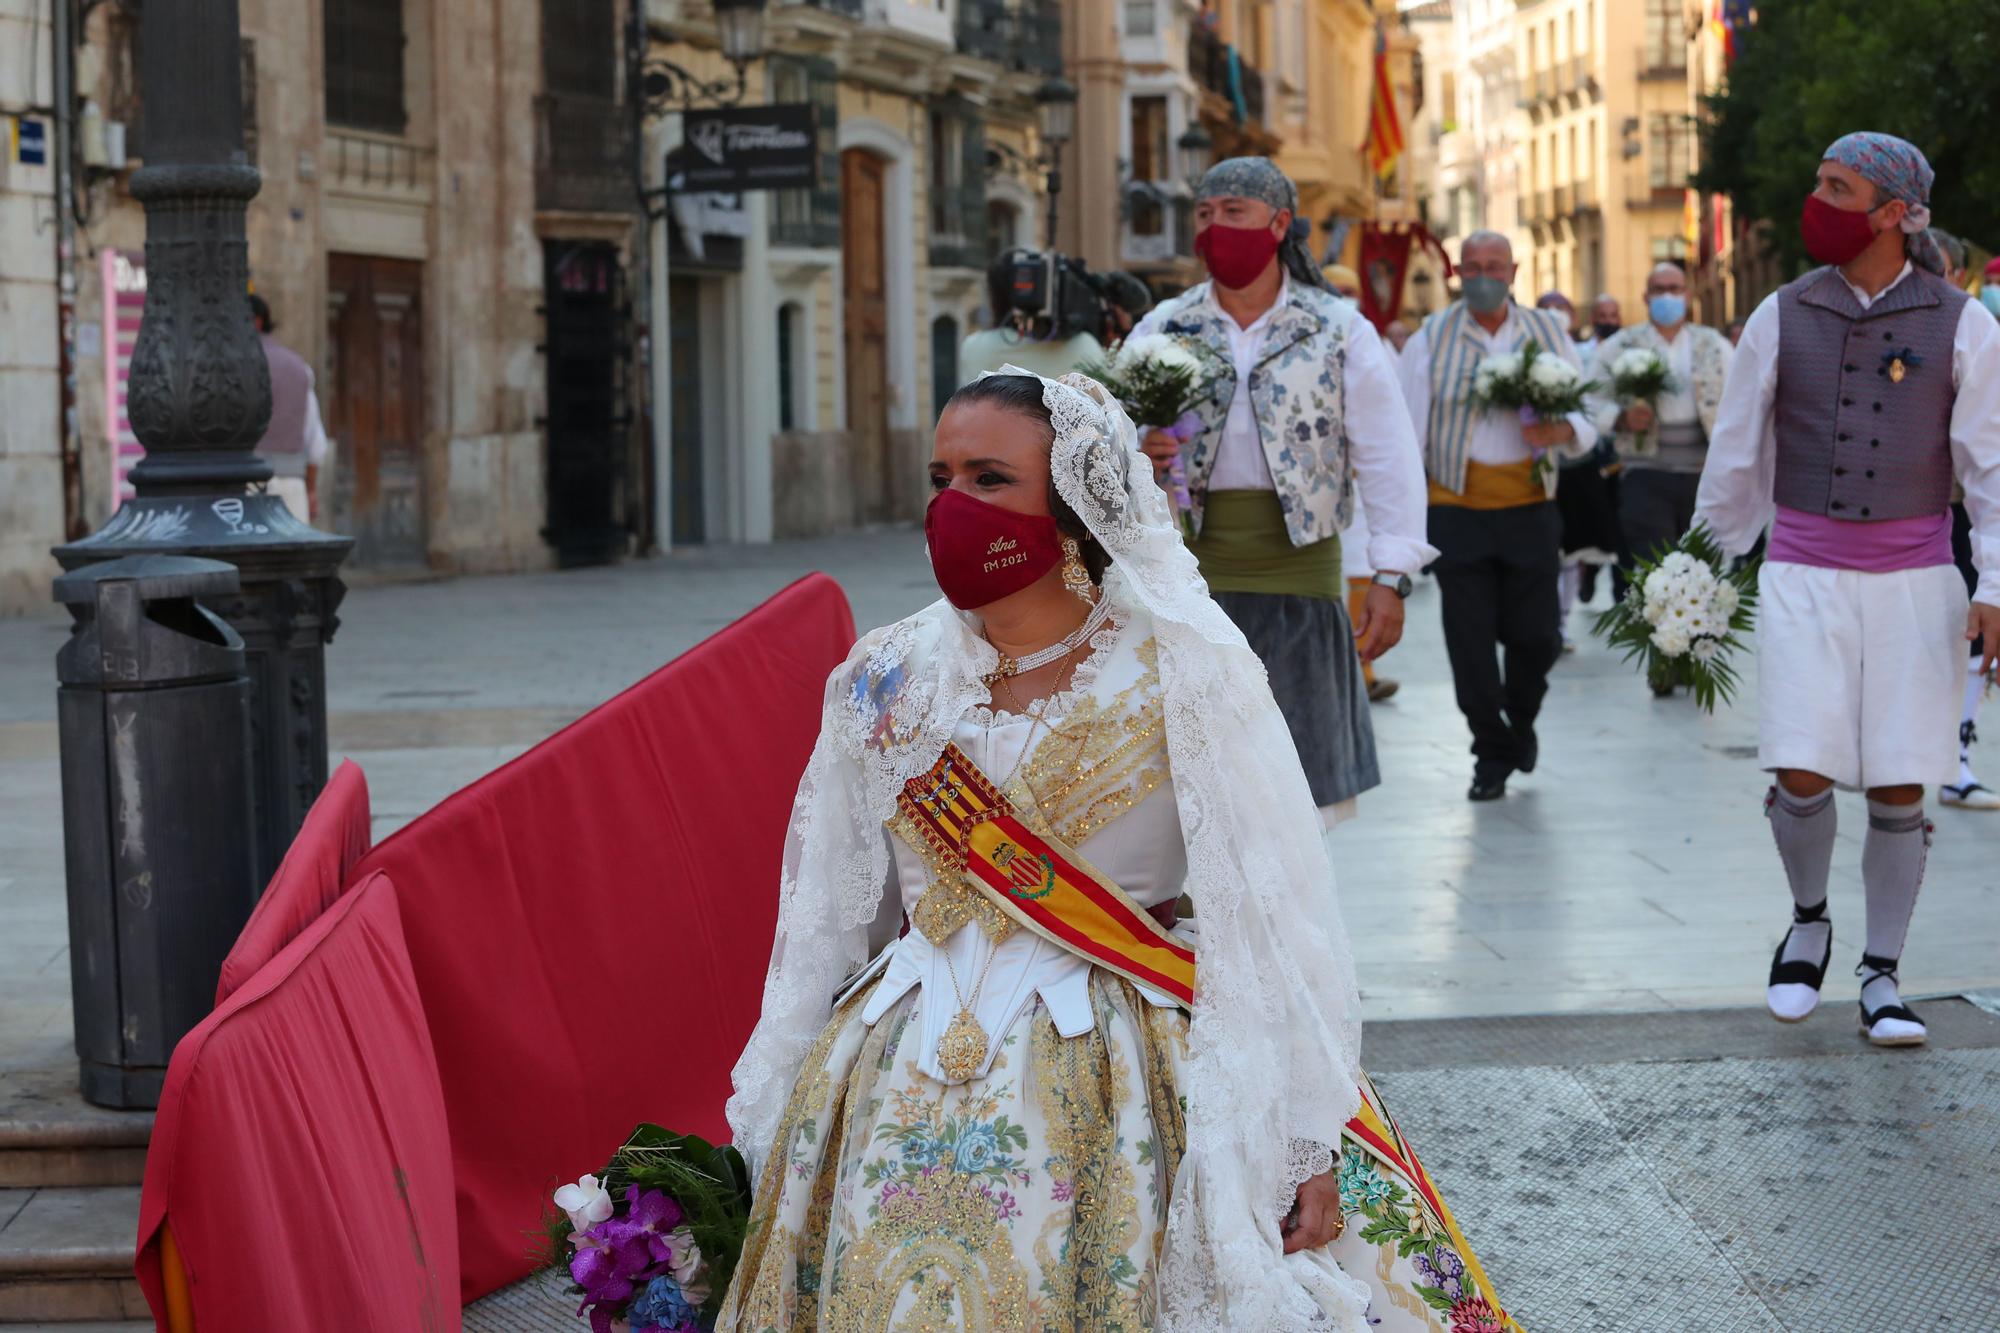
373, 400
866, 302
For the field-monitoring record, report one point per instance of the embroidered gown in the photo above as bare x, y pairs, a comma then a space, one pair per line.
1034, 1195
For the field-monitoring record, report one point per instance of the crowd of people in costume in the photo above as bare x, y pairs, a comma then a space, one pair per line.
987, 1080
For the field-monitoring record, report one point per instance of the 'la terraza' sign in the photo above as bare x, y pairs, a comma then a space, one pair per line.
747, 148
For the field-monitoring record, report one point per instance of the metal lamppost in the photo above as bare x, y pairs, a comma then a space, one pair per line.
199, 398
663, 85
1057, 99
1197, 151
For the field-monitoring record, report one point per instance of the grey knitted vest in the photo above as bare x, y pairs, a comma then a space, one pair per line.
1853, 442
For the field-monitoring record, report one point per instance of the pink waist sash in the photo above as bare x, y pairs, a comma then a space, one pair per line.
1876, 548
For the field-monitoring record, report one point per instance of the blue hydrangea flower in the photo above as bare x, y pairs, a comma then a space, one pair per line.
662, 1305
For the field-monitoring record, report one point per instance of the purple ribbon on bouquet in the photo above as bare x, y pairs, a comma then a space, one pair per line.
1182, 430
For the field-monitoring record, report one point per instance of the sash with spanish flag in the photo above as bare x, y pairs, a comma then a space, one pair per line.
1039, 882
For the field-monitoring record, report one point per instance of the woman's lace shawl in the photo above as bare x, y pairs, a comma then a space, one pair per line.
1275, 1039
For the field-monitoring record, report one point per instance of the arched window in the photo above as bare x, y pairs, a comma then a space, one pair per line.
944, 362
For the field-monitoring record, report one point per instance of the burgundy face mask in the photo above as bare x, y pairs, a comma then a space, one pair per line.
981, 552
1236, 256
1833, 235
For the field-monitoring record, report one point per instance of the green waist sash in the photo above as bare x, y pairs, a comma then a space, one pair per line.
1244, 546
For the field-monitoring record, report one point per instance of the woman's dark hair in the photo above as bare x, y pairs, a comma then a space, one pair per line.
1023, 394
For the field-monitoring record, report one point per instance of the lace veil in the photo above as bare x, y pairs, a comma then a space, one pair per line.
1271, 1074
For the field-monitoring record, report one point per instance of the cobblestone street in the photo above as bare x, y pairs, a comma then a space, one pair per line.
1581, 963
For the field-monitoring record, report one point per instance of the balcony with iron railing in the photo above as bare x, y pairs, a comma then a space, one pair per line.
583, 154
1663, 60
1586, 195
1022, 35
1210, 60
1563, 202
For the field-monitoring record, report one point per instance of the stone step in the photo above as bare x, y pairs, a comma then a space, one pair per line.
66, 1255
51, 1137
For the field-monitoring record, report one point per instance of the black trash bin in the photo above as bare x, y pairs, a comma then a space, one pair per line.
154, 709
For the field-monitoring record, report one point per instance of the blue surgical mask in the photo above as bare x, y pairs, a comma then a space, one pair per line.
1667, 308
1485, 295
1989, 296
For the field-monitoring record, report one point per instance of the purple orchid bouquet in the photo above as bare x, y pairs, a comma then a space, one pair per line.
651, 1243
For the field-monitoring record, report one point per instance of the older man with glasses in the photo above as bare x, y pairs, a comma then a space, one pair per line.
1492, 517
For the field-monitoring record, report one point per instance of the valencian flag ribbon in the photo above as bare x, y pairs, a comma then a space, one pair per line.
1040, 883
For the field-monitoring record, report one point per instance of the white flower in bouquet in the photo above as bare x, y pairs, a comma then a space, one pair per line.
587, 1202
1654, 611
1552, 373
1726, 600
686, 1265
1632, 362
1672, 640
1704, 650
1158, 349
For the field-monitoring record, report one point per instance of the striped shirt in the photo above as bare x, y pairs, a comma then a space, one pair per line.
1437, 368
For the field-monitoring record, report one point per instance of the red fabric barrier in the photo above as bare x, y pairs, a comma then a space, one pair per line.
589, 925
300, 1153
333, 838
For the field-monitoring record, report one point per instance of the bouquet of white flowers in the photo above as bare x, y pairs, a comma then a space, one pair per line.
1159, 378
1640, 375
1539, 386
1684, 615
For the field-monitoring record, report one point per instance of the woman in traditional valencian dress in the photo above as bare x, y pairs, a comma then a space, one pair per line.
1107, 1077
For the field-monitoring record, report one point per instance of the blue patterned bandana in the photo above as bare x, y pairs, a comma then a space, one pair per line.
1899, 169
1259, 178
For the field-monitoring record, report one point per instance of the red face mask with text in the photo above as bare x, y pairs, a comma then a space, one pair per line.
981, 552
1235, 255
1833, 235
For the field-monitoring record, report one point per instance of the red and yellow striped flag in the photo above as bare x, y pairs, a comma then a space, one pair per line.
1385, 124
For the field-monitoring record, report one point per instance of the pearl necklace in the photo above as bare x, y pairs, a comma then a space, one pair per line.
1041, 657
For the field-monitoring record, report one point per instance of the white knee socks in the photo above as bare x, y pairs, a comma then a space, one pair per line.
1892, 869
1804, 828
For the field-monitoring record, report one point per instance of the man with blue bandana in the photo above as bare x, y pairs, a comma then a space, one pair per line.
1858, 394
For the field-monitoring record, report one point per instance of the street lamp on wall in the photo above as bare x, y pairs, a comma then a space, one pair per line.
1057, 100
1197, 150
665, 86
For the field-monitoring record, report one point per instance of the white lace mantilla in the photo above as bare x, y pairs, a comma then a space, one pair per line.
1275, 1041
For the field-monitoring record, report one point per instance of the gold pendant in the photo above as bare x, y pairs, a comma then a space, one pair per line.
1896, 371
962, 1048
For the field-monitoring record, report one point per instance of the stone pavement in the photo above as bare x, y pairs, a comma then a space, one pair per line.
1634, 871
1681, 1171
1632, 875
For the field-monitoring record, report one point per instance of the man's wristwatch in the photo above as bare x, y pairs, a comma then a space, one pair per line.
1397, 583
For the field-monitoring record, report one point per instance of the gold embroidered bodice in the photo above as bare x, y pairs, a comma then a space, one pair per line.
1098, 761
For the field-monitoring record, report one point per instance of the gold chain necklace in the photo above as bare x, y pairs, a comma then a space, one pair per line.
961, 1051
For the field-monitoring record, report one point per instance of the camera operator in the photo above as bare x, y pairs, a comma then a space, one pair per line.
1046, 317
1127, 298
